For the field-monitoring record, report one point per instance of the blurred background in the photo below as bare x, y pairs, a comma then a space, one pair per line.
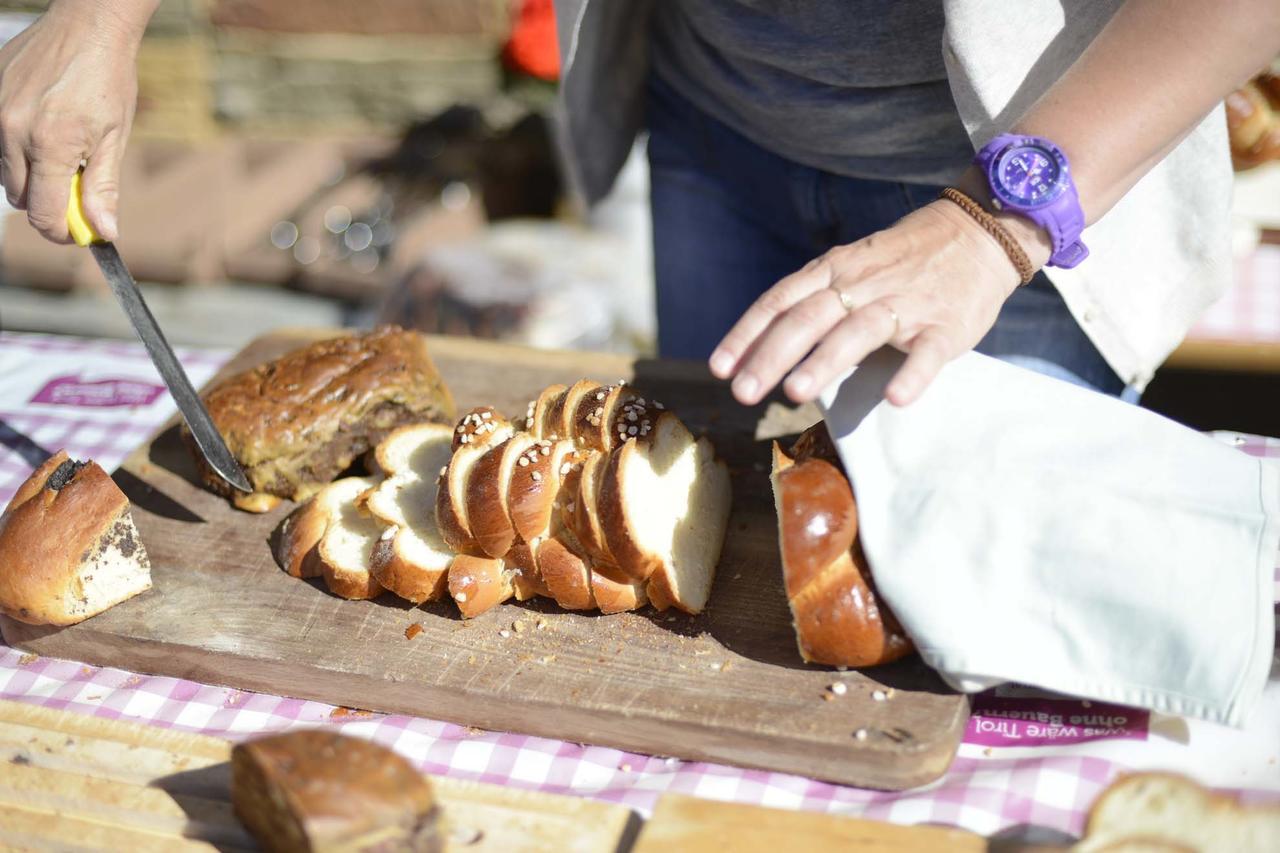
337, 163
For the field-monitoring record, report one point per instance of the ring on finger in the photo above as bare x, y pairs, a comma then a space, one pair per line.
845, 299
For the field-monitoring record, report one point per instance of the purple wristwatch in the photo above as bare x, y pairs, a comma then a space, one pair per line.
1029, 175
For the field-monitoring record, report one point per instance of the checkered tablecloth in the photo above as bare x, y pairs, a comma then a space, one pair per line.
1027, 759
1249, 312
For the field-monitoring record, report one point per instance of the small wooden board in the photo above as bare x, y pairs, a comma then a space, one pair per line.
68, 781
726, 686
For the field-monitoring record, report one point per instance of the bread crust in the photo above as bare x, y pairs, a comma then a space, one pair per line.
534, 488
298, 421
478, 584
297, 550
560, 414
540, 425
48, 533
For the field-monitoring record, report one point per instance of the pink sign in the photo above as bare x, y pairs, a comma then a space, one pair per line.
99, 393
1011, 721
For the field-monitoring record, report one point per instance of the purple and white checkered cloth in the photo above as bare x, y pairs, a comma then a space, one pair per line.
1027, 758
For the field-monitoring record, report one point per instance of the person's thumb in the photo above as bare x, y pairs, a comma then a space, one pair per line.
100, 185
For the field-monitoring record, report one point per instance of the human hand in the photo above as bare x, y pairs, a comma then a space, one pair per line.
931, 286
68, 87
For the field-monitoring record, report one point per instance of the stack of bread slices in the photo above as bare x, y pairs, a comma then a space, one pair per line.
598, 499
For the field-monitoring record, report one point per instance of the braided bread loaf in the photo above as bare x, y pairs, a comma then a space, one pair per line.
839, 619
600, 500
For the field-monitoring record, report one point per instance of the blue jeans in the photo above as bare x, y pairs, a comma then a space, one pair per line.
730, 219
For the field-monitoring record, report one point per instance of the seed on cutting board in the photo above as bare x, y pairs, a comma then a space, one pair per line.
861, 734
504, 633
839, 688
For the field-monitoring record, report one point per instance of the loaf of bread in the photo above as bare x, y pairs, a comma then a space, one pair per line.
593, 502
313, 791
68, 546
1253, 122
1166, 812
839, 619
297, 422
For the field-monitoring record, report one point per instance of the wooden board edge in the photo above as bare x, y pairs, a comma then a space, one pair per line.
872, 769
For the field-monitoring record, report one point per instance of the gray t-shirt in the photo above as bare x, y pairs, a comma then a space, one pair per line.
854, 87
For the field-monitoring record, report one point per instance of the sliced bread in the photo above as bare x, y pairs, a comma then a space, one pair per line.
451, 497
488, 486
297, 549
346, 548
664, 509
411, 558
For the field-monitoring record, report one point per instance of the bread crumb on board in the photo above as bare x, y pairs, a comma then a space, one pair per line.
413, 630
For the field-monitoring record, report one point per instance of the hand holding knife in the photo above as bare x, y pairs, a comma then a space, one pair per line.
193, 411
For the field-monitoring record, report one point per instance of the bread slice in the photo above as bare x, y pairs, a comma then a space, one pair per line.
410, 558
664, 509
526, 578
451, 497
838, 617
478, 584
68, 546
346, 547
488, 486
298, 548
1155, 808
534, 487
614, 592
565, 572
560, 415
540, 425
581, 510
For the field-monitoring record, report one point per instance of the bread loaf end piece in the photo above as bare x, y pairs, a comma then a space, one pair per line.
69, 548
838, 617
319, 790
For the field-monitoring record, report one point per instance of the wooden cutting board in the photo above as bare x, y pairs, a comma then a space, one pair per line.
725, 686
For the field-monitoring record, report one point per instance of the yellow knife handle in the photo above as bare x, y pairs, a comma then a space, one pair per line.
81, 231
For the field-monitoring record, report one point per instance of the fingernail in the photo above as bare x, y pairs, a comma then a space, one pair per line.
744, 387
721, 362
801, 383
109, 226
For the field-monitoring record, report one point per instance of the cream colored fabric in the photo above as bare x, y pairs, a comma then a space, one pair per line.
1024, 529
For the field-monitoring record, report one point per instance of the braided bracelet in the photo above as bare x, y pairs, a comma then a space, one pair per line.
989, 224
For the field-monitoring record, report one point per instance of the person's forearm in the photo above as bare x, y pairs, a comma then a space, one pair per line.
1148, 79
126, 18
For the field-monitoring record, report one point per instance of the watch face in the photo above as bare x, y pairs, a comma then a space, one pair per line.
1029, 175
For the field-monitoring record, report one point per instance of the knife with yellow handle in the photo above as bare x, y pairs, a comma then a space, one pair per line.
126, 290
